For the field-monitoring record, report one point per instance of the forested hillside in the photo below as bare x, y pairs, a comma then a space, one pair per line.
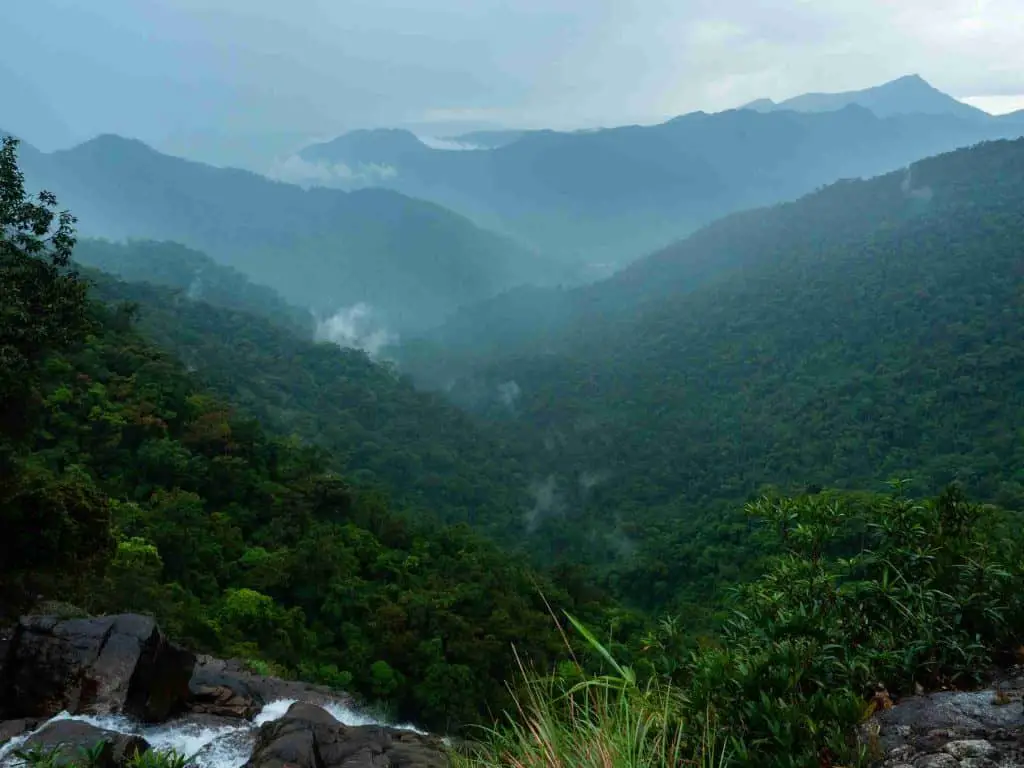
125, 485
847, 346
372, 424
198, 276
412, 261
604, 197
868, 331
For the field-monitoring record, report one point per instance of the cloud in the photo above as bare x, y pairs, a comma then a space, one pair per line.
356, 327
296, 170
436, 142
509, 393
547, 501
207, 76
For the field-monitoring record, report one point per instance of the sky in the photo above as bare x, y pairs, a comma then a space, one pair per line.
220, 80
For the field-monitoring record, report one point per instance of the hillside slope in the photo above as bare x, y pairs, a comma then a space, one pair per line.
428, 456
869, 330
412, 261
600, 198
126, 485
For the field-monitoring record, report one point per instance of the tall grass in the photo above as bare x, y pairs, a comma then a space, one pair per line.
598, 721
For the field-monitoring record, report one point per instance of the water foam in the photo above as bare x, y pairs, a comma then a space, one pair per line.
209, 742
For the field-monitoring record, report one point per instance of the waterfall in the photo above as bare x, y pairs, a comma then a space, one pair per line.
211, 742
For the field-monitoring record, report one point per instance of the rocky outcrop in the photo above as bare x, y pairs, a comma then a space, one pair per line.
70, 737
952, 729
309, 737
107, 665
227, 688
215, 691
11, 729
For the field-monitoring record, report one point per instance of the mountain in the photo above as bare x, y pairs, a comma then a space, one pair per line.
867, 331
194, 273
906, 95
377, 429
128, 486
488, 139
411, 262
598, 199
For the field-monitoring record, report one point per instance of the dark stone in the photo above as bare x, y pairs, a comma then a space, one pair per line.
311, 713
217, 692
12, 729
111, 664
309, 737
951, 728
72, 736
211, 673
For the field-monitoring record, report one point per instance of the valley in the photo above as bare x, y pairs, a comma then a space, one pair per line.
760, 468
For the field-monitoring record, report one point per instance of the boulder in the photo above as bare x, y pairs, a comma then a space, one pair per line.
71, 737
952, 729
12, 729
249, 691
106, 665
309, 737
214, 691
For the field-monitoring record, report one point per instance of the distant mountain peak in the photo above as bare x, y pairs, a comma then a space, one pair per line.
908, 94
380, 145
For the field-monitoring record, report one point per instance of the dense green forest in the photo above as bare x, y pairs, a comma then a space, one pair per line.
196, 274
372, 424
868, 331
128, 486
300, 526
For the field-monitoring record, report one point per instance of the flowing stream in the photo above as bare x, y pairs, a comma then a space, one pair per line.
211, 742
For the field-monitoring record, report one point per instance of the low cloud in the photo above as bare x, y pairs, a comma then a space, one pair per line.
509, 393
296, 170
547, 501
356, 327
435, 142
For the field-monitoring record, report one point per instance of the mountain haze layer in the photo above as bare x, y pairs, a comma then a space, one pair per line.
598, 199
410, 261
906, 95
866, 331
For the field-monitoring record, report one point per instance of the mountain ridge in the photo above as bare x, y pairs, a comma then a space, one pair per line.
597, 200
908, 94
414, 261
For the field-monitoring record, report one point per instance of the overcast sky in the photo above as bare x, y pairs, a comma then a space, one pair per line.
204, 76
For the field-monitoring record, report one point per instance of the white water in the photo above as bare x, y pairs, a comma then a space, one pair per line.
212, 743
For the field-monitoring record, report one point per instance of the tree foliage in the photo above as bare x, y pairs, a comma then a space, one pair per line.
130, 487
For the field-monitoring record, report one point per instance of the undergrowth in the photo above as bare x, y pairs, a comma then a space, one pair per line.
870, 597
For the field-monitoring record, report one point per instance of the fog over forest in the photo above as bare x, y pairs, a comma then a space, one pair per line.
475, 383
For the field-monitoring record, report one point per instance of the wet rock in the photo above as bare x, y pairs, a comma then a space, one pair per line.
216, 692
71, 737
952, 729
105, 665
211, 672
311, 713
12, 729
309, 737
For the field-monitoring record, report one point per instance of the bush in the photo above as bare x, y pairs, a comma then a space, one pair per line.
867, 597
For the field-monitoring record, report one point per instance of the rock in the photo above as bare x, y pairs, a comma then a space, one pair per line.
311, 713
12, 729
232, 673
969, 748
216, 692
309, 737
72, 736
952, 729
111, 664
